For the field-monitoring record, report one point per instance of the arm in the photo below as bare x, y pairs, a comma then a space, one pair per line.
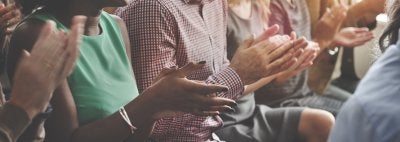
34, 81
364, 12
13, 122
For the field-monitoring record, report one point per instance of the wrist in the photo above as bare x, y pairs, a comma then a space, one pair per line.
242, 74
143, 108
30, 110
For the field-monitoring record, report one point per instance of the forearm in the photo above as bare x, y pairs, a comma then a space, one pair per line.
257, 85
63, 125
141, 114
99, 131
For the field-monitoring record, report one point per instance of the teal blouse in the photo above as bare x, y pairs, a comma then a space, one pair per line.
103, 79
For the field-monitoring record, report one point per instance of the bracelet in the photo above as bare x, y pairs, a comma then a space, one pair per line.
125, 116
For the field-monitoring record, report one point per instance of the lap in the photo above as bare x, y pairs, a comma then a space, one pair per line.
266, 124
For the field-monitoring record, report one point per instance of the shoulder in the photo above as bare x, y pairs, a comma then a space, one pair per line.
118, 20
27, 33
147, 5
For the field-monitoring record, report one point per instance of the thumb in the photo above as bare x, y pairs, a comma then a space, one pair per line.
267, 34
206, 89
247, 43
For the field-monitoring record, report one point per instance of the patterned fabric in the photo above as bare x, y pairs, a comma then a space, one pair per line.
165, 33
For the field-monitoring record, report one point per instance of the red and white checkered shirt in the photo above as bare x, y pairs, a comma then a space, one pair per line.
165, 33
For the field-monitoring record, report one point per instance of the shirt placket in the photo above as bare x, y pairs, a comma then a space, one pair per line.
204, 13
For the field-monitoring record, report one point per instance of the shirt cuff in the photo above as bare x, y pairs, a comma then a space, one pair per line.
231, 79
13, 121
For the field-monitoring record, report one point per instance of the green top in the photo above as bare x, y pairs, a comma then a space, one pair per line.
103, 79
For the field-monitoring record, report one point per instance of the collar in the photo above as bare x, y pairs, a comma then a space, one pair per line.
197, 1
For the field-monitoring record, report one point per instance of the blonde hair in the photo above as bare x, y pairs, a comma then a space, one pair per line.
262, 5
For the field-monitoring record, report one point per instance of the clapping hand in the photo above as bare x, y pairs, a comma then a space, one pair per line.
353, 37
51, 60
10, 15
172, 93
329, 24
304, 60
264, 56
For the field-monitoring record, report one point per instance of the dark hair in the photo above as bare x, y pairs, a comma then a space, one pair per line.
29, 5
391, 33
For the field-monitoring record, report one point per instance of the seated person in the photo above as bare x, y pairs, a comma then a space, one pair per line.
38, 73
292, 89
168, 33
371, 114
251, 122
101, 93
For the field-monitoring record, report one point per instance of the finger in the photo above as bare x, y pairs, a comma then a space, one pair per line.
221, 108
247, 43
43, 42
189, 69
206, 113
205, 89
8, 16
267, 34
166, 71
13, 21
301, 44
7, 9
201, 100
276, 65
293, 35
267, 46
25, 55
290, 65
284, 48
361, 30
73, 45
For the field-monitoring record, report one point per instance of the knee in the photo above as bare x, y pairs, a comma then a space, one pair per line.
315, 124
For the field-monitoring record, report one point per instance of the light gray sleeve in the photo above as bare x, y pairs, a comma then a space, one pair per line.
352, 125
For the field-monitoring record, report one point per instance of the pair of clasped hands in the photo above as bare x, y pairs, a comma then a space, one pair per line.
10, 15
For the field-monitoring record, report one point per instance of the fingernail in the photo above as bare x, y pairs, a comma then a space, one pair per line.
233, 104
202, 62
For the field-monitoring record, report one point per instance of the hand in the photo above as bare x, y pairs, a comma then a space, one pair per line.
9, 17
172, 93
374, 6
353, 37
264, 56
329, 25
51, 60
305, 60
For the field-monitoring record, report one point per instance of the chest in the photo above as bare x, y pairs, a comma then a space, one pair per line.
202, 34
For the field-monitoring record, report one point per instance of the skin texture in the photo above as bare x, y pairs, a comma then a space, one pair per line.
158, 101
260, 57
10, 15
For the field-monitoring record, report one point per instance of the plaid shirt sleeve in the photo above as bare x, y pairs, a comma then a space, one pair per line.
153, 33
152, 36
